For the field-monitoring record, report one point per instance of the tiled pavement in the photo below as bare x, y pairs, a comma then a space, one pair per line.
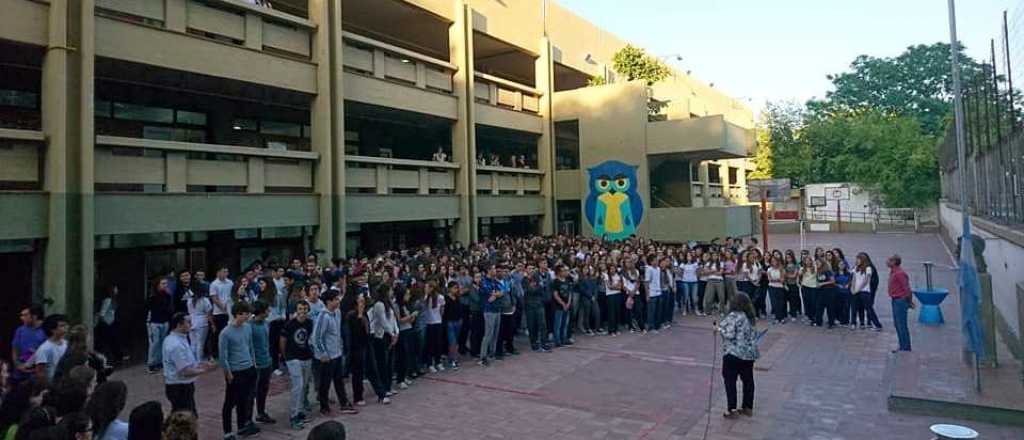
811, 384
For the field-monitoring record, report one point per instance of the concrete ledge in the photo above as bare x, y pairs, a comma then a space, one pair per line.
955, 410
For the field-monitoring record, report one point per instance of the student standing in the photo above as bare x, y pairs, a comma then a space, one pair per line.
902, 300
612, 279
27, 338
490, 291
792, 282
46, 357
452, 318
261, 351
776, 289
237, 360
200, 311
865, 281
383, 328
562, 296
809, 290
158, 313
181, 366
294, 346
652, 282
826, 292
714, 291
688, 272
328, 349
220, 295
739, 351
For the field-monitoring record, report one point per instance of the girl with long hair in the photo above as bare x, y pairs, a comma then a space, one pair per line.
688, 274
791, 278
826, 292
200, 309
865, 281
739, 351
362, 365
809, 289
714, 294
106, 402
435, 334
612, 280
776, 289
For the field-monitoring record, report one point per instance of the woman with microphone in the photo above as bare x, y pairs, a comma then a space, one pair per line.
739, 351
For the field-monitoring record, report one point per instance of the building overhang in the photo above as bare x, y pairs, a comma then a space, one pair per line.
706, 138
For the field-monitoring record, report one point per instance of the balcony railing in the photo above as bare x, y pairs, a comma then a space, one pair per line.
144, 165
504, 180
371, 57
21, 163
381, 175
507, 94
234, 21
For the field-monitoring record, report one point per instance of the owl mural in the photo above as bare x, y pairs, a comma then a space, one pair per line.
613, 207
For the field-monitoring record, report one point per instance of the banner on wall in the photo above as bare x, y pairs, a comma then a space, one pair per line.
613, 207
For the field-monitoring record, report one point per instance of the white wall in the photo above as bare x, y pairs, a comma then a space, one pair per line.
1004, 259
860, 199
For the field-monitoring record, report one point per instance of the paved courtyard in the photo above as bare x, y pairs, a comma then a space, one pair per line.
811, 383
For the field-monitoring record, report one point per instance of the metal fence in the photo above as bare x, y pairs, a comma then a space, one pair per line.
994, 149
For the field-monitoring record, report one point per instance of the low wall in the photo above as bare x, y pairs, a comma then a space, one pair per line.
1004, 254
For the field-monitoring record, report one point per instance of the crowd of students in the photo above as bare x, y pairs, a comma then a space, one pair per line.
389, 319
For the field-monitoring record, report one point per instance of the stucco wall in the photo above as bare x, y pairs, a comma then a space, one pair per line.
1004, 259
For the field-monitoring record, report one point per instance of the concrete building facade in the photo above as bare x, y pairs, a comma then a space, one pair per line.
143, 136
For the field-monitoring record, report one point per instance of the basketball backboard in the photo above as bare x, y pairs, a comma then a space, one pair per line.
837, 193
774, 190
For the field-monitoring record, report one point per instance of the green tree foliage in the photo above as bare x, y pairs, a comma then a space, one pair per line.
597, 81
635, 64
779, 152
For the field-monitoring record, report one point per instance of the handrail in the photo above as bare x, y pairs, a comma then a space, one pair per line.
500, 169
402, 162
399, 50
507, 83
22, 135
118, 141
267, 12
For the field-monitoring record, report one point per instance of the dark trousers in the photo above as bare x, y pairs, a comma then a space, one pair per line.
436, 344
778, 295
536, 325
867, 300
182, 397
275, 336
220, 321
793, 298
238, 397
701, 285
467, 318
262, 388
331, 373
506, 335
842, 305
810, 295
362, 368
826, 305
382, 354
108, 341
668, 301
614, 312
760, 303
636, 315
732, 368
403, 366
476, 333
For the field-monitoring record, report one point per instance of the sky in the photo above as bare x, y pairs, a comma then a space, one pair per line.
774, 50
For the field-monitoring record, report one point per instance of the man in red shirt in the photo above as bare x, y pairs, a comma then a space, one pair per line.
902, 300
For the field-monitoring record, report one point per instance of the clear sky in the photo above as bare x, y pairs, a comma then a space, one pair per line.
782, 49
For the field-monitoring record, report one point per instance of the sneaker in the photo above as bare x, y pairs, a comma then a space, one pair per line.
360, 403
403, 386
278, 372
878, 328
545, 349
432, 369
349, 410
298, 424
384, 401
391, 393
853, 326
655, 331
440, 367
250, 430
455, 366
326, 412
305, 418
264, 418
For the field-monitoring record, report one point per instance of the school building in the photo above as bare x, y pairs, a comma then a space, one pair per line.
142, 136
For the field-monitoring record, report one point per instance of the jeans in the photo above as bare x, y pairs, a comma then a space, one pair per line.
263, 388
301, 373
586, 313
810, 295
238, 397
843, 306
536, 325
667, 304
868, 301
561, 325
857, 307
778, 297
614, 312
275, 335
714, 292
157, 332
182, 397
689, 296
197, 340
730, 288
733, 367
793, 298
330, 373
403, 366
760, 295
453, 329
476, 330
653, 310
900, 307
701, 288
824, 302
492, 323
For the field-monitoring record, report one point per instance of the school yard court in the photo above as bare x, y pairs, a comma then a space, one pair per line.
811, 383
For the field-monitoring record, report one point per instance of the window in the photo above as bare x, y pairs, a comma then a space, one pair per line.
133, 112
19, 98
245, 125
193, 118
102, 109
567, 145
714, 175
695, 171
281, 129
733, 173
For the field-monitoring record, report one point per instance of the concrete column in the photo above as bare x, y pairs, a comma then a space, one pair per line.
176, 15
383, 186
741, 181
67, 114
380, 67
723, 175
705, 191
546, 142
253, 31
424, 181
421, 74
176, 172
460, 42
256, 182
321, 13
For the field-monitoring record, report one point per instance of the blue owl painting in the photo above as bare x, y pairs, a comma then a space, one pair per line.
613, 207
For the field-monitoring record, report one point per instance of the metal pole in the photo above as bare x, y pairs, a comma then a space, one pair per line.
959, 118
1009, 74
764, 219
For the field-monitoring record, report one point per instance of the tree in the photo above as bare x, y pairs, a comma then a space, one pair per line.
634, 63
916, 83
779, 152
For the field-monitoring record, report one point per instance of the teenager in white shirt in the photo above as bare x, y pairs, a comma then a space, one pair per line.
49, 353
